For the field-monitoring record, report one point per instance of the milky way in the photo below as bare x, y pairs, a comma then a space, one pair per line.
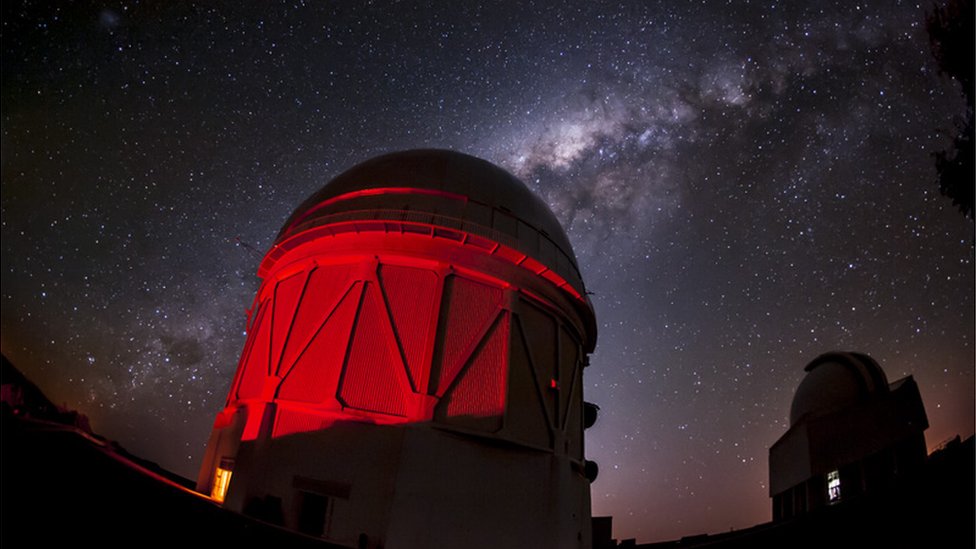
746, 186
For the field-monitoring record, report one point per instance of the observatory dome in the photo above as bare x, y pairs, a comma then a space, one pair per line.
419, 337
835, 381
447, 189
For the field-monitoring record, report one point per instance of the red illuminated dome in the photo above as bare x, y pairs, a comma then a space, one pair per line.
422, 308
438, 172
443, 189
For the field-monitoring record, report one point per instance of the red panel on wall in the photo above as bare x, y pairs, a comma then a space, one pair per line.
411, 295
286, 296
574, 421
470, 306
316, 373
370, 380
539, 329
526, 418
568, 363
480, 391
289, 422
326, 286
256, 369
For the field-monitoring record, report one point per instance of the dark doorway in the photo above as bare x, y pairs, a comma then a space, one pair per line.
311, 514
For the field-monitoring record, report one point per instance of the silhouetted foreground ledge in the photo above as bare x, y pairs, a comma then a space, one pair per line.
63, 487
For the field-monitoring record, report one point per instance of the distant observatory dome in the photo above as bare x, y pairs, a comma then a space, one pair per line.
851, 434
835, 381
448, 189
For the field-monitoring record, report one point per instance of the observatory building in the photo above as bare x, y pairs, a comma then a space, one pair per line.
412, 375
851, 433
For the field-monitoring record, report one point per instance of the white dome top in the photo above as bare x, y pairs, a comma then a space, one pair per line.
834, 381
483, 199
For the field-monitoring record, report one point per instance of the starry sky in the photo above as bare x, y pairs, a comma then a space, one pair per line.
746, 185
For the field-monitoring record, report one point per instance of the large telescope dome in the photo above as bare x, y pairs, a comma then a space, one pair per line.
416, 347
446, 189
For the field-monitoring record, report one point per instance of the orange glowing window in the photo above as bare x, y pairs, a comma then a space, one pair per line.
221, 480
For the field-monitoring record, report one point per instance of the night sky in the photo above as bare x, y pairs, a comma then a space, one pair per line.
746, 185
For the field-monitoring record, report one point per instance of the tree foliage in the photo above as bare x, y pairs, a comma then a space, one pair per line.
951, 37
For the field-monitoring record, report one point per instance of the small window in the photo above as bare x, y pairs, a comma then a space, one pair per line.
833, 487
221, 480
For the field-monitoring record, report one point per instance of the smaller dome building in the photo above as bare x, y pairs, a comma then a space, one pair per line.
851, 432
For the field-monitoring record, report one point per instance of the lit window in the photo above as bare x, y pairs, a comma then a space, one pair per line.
222, 480
833, 486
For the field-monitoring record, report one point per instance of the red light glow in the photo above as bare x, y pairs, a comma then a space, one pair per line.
375, 315
468, 240
371, 192
385, 342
